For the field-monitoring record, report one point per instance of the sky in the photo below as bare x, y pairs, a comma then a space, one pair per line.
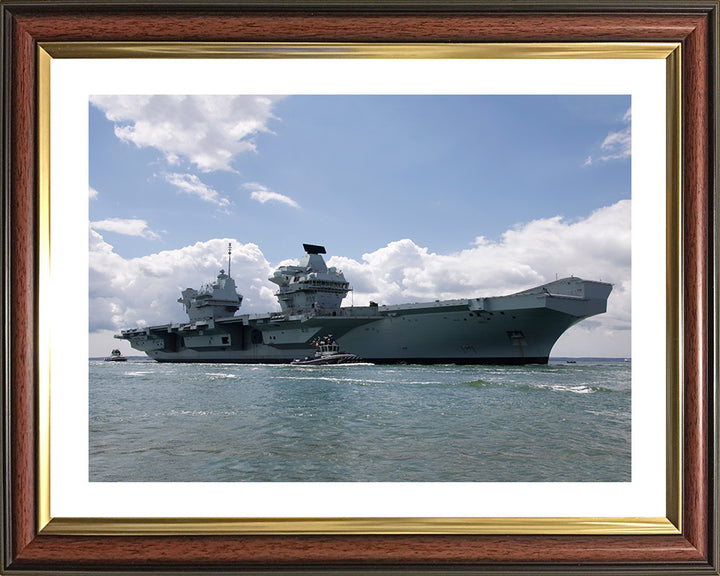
416, 198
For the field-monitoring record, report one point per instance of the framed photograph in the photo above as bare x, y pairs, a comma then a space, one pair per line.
468, 170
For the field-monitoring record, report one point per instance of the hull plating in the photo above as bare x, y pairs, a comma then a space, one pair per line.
516, 329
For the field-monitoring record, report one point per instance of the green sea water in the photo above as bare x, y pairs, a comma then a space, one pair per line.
563, 422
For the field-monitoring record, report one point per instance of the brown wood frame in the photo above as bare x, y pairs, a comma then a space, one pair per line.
692, 23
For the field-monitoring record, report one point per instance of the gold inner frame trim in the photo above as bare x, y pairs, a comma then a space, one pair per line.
673, 288
44, 360
288, 526
608, 50
435, 525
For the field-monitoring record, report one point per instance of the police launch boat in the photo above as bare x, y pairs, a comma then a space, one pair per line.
327, 351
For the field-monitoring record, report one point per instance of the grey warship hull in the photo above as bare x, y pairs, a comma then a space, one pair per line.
519, 328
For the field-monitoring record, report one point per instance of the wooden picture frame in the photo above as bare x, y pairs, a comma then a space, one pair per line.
30, 548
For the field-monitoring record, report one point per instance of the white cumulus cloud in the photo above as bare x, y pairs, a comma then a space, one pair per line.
192, 185
262, 194
126, 226
595, 248
92, 193
143, 291
208, 131
617, 145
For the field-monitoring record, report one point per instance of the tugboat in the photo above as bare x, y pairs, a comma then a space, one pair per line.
327, 351
115, 356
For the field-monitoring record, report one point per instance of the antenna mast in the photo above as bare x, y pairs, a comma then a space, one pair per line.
229, 253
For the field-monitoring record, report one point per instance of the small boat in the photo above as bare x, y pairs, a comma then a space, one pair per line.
570, 362
327, 351
115, 356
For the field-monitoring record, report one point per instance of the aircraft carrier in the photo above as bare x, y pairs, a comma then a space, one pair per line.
520, 328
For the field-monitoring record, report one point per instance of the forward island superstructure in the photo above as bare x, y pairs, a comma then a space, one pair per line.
520, 328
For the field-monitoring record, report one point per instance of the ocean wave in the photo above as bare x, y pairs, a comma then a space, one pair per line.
199, 413
331, 379
479, 383
608, 413
574, 388
139, 373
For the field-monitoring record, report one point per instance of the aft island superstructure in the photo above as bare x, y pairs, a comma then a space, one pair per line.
519, 328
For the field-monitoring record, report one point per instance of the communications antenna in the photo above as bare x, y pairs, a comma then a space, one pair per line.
229, 253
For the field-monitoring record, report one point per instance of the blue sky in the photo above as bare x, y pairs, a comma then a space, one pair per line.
404, 191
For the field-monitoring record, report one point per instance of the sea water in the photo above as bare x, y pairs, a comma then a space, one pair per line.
561, 422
